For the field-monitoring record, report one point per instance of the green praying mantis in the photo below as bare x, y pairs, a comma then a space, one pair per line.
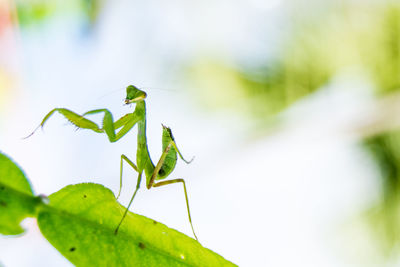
153, 173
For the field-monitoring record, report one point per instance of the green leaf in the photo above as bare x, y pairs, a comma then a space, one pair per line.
16, 197
12, 176
80, 223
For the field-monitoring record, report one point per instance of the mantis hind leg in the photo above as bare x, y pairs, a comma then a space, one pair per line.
157, 168
130, 202
186, 197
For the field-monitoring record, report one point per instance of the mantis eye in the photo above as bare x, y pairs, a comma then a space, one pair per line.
161, 172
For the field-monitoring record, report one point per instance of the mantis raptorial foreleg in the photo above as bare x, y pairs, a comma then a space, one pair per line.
109, 126
72, 117
180, 155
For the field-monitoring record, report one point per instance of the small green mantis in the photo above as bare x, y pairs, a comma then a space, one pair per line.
154, 173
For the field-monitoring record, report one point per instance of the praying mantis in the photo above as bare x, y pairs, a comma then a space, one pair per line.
153, 173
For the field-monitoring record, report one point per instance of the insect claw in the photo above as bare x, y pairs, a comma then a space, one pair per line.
190, 161
41, 126
26, 137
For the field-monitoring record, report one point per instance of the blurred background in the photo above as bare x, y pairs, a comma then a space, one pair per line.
290, 107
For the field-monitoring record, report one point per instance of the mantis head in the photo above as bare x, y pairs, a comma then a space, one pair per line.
134, 95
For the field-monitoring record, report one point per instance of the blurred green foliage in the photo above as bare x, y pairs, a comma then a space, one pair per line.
29, 13
341, 39
385, 216
36, 12
358, 37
